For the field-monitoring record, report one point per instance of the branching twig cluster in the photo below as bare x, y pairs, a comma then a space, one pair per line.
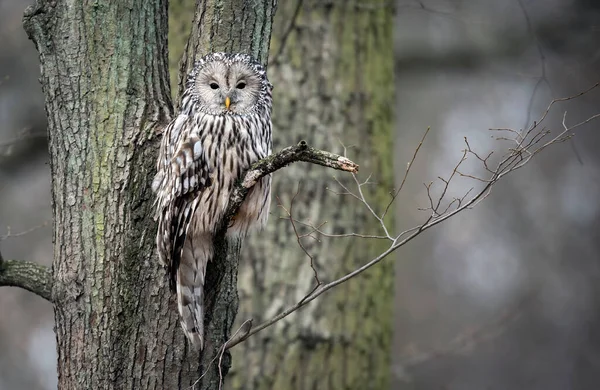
527, 143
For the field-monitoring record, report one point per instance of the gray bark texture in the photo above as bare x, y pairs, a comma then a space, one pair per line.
331, 64
104, 73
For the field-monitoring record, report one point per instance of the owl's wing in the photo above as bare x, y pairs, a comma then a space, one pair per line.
183, 172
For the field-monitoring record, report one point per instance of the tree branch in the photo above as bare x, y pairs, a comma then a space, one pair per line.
25, 274
274, 162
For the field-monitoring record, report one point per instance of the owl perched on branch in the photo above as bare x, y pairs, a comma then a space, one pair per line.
224, 126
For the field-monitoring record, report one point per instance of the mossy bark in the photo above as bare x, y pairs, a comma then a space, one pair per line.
28, 275
104, 76
333, 81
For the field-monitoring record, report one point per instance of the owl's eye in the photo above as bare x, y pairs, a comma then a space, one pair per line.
214, 85
241, 85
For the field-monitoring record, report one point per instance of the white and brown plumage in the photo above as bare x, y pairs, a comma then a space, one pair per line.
224, 126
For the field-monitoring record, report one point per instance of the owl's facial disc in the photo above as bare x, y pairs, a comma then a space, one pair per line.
228, 88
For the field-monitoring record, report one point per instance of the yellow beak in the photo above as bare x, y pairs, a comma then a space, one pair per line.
227, 102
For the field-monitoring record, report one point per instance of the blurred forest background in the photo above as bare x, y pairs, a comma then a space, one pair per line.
505, 296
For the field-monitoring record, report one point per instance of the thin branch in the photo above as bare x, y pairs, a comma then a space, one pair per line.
368, 206
472, 336
542, 78
394, 194
10, 234
309, 298
270, 164
298, 236
317, 229
243, 328
24, 135
553, 102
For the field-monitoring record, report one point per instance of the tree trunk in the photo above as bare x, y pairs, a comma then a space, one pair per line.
104, 73
332, 67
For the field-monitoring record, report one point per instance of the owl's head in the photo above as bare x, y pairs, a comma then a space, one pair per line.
228, 84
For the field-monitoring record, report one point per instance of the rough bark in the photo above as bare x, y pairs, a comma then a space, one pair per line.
332, 67
105, 79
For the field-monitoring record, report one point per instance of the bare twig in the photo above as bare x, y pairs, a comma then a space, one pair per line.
24, 135
542, 79
10, 234
317, 229
287, 32
394, 194
246, 325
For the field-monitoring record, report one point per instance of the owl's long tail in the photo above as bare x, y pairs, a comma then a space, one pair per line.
197, 252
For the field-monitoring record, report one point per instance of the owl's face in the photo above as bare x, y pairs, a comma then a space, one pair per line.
228, 84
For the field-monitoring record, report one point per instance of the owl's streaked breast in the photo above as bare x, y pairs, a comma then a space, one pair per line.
232, 143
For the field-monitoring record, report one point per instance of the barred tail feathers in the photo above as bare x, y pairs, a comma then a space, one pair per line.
196, 254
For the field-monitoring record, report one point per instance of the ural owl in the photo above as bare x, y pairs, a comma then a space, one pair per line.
224, 126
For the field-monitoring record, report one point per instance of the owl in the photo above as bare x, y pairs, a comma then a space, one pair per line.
224, 126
